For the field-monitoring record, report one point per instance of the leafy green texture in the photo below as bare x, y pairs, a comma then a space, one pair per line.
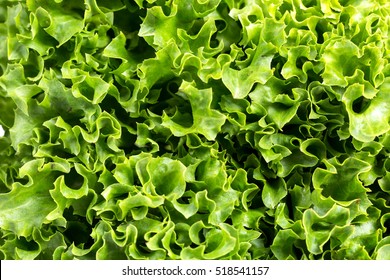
170, 129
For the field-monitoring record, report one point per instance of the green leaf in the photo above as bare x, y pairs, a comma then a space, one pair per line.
318, 229
383, 253
232, 130
340, 58
372, 120
341, 182
273, 192
58, 22
258, 71
31, 213
205, 120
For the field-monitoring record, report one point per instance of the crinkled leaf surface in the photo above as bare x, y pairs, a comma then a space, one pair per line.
194, 129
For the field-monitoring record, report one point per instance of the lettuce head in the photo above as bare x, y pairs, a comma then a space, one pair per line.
218, 129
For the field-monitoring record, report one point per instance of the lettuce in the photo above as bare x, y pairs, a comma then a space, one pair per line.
194, 129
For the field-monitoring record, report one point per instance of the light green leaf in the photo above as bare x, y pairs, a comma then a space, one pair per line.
31, 213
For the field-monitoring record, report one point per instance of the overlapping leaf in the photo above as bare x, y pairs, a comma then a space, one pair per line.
194, 129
